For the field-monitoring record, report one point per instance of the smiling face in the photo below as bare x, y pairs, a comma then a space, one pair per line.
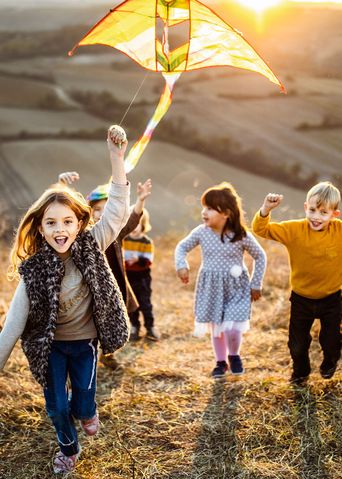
59, 227
319, 217
213, 218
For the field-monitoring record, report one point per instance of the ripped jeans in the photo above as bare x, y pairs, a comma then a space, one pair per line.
76, 360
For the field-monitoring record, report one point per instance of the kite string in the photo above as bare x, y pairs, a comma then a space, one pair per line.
134, 97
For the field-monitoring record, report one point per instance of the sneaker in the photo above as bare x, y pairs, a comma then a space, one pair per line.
327, 373
235, 364
109, 361
298, 380
134, 335
62, 463
91, 426
220, 370
151, 334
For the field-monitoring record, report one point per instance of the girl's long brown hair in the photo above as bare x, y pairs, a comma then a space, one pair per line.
28, 240
224, 199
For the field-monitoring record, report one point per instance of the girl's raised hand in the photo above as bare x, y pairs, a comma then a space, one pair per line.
144, 189
68, 177
183, 274
271, 201
117, 140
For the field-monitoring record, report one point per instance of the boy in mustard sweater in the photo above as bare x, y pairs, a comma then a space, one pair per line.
314, 246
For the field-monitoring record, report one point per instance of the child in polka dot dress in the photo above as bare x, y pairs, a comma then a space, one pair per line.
224, 290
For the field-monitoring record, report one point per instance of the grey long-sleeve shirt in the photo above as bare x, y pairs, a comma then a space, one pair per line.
74, 321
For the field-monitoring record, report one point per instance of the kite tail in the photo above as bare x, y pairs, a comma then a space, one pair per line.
164, 103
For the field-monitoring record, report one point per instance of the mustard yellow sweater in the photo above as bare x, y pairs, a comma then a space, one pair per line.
315, 256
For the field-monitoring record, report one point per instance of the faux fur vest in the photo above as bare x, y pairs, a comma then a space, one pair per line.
43, 274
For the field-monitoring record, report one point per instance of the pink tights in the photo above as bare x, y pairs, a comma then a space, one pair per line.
228, 343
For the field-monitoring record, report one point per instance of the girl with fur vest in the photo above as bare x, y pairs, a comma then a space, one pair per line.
67, 300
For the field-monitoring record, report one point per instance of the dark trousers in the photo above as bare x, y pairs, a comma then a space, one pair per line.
141, 285
76, 360
303, 313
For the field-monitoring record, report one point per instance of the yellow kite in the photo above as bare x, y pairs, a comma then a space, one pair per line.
132, 27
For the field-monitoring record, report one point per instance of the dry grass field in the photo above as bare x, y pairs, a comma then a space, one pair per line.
162, 415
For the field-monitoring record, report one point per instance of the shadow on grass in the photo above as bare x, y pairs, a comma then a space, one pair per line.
109, 379
319, 440
216, 452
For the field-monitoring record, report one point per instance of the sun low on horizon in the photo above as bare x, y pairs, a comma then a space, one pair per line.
259, 5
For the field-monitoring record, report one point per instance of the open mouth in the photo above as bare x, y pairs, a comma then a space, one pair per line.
315, 224
61, 240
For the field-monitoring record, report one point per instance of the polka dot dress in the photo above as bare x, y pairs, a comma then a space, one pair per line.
223, 285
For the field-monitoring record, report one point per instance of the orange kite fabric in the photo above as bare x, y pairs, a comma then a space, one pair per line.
133, 28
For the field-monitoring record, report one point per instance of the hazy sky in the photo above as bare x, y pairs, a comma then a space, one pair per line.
46, 3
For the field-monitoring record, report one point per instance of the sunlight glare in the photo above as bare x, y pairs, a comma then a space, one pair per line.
259, 5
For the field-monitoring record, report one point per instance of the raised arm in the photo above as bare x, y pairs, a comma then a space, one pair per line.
116, 211
271, 201
262, 225
143, 191
117, 144
130, 226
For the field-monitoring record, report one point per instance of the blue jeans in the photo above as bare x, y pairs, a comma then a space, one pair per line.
76, 360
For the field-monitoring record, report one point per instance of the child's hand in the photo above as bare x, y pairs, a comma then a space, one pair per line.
132, 260
116, 139
255, 294
271, 201
183, 274
68, 177
144, 189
